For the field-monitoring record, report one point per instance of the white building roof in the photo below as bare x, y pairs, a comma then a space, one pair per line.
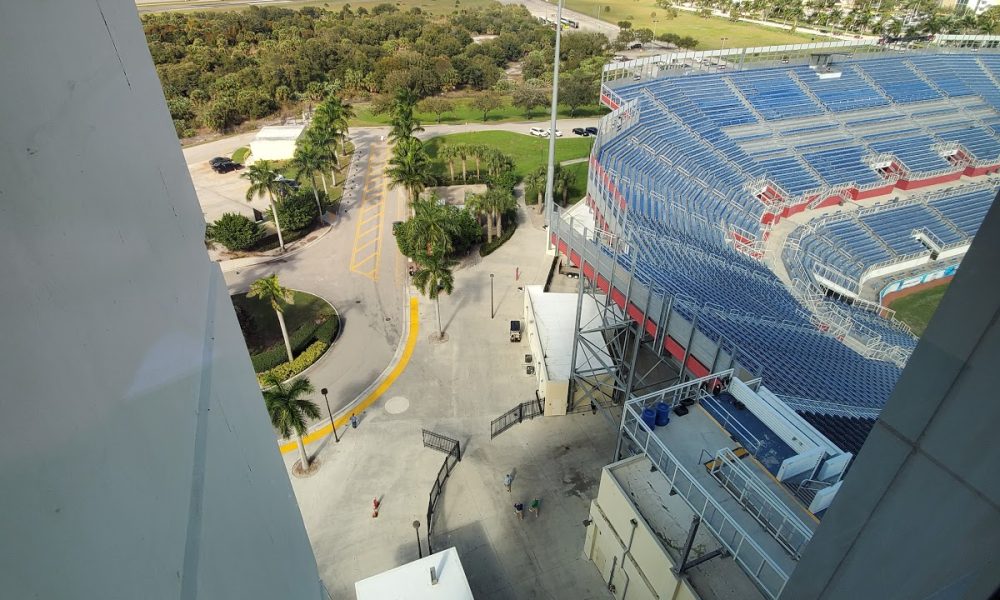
412, 581
274, 133
555, 322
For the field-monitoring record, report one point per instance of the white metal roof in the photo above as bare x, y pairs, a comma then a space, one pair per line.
280, 133
412, 581
555, 322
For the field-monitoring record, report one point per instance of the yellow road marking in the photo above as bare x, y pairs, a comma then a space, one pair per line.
411, 342
371, 209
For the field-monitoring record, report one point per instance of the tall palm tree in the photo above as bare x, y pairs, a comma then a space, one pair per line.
307, 162
562, 182
325, 140
478, 151
447, 154
433, 276
479, 205
410, 168
270, 290
501, 201
289, 410
534, 184
264, 182
462, 153
403, 128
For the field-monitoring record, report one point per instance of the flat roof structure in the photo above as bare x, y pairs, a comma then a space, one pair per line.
412, 581
280, 133
555, 322
275, 142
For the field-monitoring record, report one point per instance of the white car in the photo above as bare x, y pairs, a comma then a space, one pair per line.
549, 130
538, 132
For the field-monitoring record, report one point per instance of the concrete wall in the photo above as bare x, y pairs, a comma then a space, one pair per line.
647, 566
918, 516
136, 458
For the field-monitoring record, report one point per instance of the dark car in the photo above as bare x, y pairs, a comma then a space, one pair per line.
580, 131
591, 130
225, 166
291, 183
218, 160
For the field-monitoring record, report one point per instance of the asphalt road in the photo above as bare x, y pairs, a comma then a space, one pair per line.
540, 8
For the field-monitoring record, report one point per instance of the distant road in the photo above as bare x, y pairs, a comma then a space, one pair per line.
540, 8
150, 6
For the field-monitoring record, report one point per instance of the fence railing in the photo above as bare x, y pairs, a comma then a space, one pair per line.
524, 410
453, 450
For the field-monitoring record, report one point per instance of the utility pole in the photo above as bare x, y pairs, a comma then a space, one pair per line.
332, 424
551, 172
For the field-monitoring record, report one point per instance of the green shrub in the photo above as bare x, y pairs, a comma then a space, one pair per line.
275, 355
296, 211
290, 369
270, 242
234, 231
328, 330
488, 248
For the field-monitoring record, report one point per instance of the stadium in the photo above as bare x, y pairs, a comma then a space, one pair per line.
747, 210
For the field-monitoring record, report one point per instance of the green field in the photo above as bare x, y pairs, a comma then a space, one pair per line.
465, 113
917, 309
709, 32
263, 331
528, 152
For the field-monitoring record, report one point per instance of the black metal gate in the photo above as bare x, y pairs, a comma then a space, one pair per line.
524, 410
453, 450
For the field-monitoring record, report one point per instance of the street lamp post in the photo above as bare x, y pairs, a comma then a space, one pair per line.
332, 424
723, 51
492, 310
416, 528
551, 167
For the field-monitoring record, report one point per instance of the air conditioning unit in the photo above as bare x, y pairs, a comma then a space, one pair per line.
527, 359
530, 369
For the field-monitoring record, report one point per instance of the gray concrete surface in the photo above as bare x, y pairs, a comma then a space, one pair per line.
540, 8
455, 388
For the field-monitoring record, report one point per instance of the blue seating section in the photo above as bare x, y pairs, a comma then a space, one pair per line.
789, 173
841, 166
774, 94
895, 227
915, 152
848, 433
897, 81
980, 142
966, 210
847, 92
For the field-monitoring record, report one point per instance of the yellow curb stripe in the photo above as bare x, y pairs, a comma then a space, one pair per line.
411, 342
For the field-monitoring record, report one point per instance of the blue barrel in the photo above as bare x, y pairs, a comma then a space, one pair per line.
649, 417
662, 414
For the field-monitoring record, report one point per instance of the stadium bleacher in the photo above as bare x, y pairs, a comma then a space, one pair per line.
711, 160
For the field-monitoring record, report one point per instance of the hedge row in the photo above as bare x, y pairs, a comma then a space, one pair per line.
290, 369
275, 355
328, 330
488, 248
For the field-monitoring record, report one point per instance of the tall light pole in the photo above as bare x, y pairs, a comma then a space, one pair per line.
416, 528
492, 311
551, 172
723, 51
332, 424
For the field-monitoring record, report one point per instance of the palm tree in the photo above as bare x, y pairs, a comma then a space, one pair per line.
289, 410
561, 184
501, 201
336, 113
410, 168
264, 182
534, 184
447, 153
478, 151
307, 162
462, 153
270, 290
432, 229
478, 204
325, 140
433, 276
404, 127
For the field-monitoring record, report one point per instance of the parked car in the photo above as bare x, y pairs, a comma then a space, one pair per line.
580, 131
218, 160
538, 131
224, 166
286, 181
591, 130
548, 132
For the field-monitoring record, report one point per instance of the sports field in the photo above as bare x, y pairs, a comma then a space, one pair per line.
916, 309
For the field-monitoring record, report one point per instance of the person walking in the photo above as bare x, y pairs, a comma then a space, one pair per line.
354, 422
519, 509
534, 507
507, 480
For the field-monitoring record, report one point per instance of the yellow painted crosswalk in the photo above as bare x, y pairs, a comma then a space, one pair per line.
368, 236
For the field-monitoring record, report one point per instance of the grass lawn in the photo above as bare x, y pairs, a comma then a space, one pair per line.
917, 309
528, 152
464, 113
709, 32
241, 153
264, 331
579, 187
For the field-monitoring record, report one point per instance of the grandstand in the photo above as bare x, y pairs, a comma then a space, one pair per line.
739, 217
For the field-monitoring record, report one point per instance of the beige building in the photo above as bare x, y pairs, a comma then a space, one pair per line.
276, 142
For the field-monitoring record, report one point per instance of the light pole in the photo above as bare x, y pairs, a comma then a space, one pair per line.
492, 311
551, 171
332, 424
416, 528
723, 51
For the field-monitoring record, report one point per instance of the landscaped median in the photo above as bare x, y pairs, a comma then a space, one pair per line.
312, 323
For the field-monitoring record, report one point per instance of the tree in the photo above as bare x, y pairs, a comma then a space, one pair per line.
325, 141
432, 230
528, 97
561, 183
624, 25
289, 410
333, 114
447, 154
534, 187
264, 182
307, 162
234, 231
578, 89
487, 101
433, 276
403, 127
269, 289
501, 201
478, 204
437, 106
410, 168
220, 115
